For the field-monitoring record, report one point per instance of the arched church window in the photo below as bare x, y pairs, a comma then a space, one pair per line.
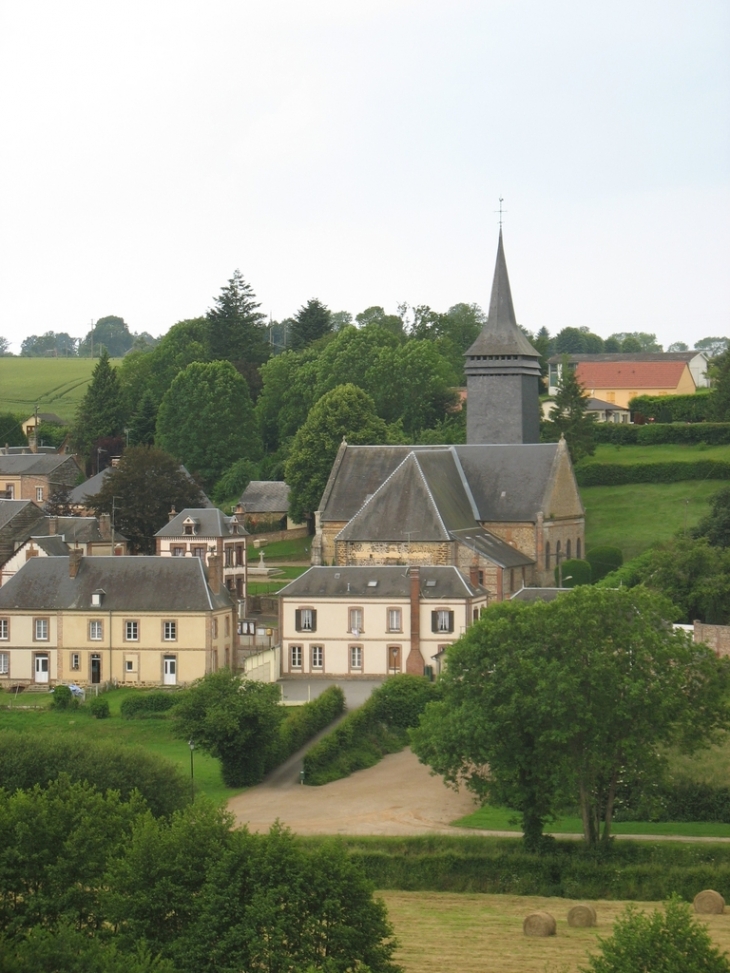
567, 548
547, 555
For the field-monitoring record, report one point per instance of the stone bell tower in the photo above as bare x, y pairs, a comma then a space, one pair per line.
502, 373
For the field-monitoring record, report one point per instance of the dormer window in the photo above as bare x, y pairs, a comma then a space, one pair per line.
234, 525
97, 597
189, 526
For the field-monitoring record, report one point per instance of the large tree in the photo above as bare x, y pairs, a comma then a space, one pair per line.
140, 492
312, 321
51, 344
345, 412
568, 416
206, 420
101, 413
235, 329
111, 333
552, 703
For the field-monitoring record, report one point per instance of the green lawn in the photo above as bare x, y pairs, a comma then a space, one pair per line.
276, 582
153, 734
606, 453
297, 549
635, 516
502, 819
55, 384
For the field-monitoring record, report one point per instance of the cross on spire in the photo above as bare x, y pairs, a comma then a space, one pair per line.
500, 211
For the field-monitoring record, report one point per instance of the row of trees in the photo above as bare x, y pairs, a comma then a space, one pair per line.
111, 333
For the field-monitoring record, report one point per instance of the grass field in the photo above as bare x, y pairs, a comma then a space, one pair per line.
297, 549
483, 933
635, 516
55, 384
154, 735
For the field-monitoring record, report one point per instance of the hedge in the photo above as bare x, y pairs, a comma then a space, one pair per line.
680, 800
698, 407
603, 560
572, 572
147, 704
663, 433
380, 726
303, 722
617, 474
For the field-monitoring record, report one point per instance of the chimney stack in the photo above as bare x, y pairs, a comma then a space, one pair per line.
105, 526
74, 561
415, 663
215, 571
173, 513
52, 525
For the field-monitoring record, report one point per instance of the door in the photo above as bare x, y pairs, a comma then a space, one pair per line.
96, 669
393, 659
169, 670
41, 668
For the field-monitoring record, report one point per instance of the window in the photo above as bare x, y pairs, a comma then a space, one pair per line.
355, 657
215, 628
239, 556
547, 555
169, 631
4, 629
578, 549
228, 626
228, 557
199, 552
355, 621
317, 657
9, 491
394, 620
295, 652
442, 621
131, 631
75, 660
305, 620
39, 494
129, 665
4, 663
611, 397
41, 629
567, 549
96, 631
178, 552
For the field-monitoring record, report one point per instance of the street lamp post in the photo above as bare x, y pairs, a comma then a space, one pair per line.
192, 769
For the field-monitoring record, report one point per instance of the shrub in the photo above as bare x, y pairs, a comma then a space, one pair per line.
603, 560
573, 572
666, 409
663, 433
146, 704
672, 942
37, 758
63, 698
303, 722
99, 708
616, 474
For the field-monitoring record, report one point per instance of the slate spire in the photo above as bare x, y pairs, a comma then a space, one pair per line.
502, 372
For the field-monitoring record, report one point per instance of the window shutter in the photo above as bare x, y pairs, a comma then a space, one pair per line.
314, 619
451, 621
434, 621
298, 620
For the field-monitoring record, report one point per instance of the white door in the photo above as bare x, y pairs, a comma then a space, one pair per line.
169, 670
41, 668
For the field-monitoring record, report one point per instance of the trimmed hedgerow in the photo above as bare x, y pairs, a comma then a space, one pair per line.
380, 726
616, 474
572, 573
698, 407
678, 800
663, 433
603, 560
146, 704
303, 722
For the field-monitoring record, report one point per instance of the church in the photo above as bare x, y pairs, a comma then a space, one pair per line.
413, 542
505, 508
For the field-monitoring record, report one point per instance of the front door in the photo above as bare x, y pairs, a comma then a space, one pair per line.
96, 669
169, 672
393, 659
41, 668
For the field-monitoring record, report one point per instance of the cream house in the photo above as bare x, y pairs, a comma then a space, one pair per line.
373, 621
125, 620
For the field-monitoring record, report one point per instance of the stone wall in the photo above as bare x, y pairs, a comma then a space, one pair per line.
716, 636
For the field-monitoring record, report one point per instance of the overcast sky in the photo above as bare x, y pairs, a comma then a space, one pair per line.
355, 151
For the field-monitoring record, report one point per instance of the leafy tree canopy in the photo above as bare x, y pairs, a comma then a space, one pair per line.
551, 703
578, 341
345, 412
712, 346
101, 412
312, 321
206, 419
716, 525
4, 347
111, 333
678, 346
140, 492
11, 432
637, 341
721, 390
376, 315
52, 343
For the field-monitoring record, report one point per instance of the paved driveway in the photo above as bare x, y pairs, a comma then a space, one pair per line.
356, 690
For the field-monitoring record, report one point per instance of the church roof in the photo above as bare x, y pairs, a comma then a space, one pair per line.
507, 482
500, 334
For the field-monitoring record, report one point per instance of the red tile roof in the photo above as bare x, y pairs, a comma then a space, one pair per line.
630, 375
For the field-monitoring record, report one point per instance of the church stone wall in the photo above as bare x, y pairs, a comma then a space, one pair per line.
376, 552
519, 535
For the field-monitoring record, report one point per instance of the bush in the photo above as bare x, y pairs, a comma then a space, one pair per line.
303, 722
37, 758
146, 704
672, 942
99, 708
616, 474
380, 726
63, 698
666, 409
663, 433
603, 560
677, 800
573, 572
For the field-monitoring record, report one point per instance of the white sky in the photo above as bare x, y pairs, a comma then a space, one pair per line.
355, 151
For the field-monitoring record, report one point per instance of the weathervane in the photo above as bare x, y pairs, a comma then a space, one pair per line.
500, 211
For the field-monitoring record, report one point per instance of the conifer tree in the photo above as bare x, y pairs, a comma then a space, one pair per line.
312, 321
142, 426
568, 416
101, 413
235, 325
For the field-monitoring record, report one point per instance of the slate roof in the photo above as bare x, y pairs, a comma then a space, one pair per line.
490, 546
131, 584
630, 374
265, 496
89, 488
210, 522
53, 544
81, 530
392, 581
448, 488
34, 464
642, 356
47, 417
11, 508
599, 405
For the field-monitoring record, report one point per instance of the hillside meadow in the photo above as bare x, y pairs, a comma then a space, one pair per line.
54, 384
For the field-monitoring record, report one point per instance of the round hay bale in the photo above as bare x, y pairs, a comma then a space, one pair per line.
582, 916
539, 924
709, 903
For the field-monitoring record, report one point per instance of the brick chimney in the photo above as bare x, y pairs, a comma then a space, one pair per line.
74, 561
415, 663
105, 526
215, 572
52, 525
172, 515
